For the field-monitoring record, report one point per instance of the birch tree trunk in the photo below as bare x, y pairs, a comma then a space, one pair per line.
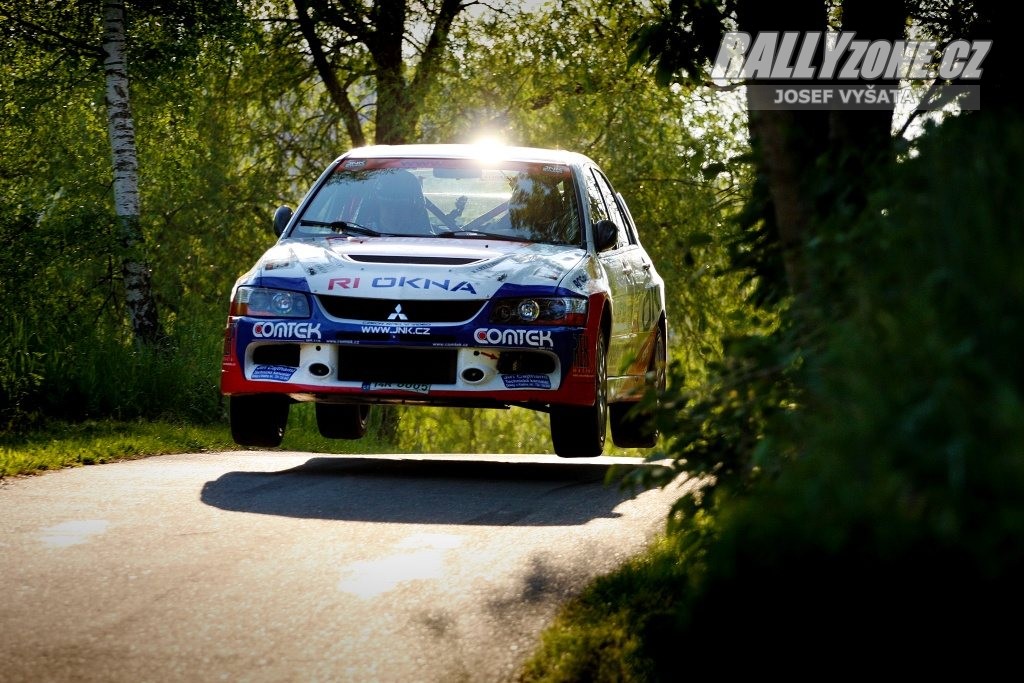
142, 313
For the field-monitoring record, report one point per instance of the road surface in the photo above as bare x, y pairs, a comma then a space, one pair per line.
277, 566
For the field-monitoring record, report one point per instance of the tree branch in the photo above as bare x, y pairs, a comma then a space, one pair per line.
435, 44
338, 93
31, 32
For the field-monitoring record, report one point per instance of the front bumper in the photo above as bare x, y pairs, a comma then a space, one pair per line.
475, 364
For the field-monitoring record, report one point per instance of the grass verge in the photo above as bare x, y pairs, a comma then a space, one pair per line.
604, 635
57, 444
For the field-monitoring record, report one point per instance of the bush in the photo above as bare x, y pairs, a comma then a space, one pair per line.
896, 532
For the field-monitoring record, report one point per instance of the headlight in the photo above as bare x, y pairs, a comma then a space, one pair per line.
562, 310
261, 302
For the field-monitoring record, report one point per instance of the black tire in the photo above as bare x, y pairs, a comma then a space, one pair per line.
635, 428
340, 421
258, 421
578, 432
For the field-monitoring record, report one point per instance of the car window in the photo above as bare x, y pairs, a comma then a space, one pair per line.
613, 210
634, 238
447, 198
595, 200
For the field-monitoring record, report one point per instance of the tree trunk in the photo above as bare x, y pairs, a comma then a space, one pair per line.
395, 115
138, 292
335, 89
787, 143
862, 140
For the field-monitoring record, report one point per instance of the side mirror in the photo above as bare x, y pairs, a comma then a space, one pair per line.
606, 234
281, 218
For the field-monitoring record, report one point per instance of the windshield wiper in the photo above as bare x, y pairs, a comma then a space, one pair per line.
343, 226
478, 235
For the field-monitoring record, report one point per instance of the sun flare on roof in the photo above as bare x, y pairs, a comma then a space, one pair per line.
488, 147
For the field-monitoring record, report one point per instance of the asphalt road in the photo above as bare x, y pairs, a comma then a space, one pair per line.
276, 566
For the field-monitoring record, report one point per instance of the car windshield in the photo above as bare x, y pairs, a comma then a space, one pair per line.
446, 198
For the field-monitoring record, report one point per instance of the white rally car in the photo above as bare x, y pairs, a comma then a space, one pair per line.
451, 275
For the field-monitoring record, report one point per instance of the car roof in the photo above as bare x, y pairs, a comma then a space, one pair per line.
465, 151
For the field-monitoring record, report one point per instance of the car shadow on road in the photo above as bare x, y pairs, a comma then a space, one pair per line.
430, 491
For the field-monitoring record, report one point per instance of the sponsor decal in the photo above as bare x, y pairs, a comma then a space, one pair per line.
526, 381
387, 282
342, 283
289, 330
422, 283
581, 352
277, 265
278, 373
488, 265
355, 163
395, 329
579, 281
392, 386
835, 70
490, 335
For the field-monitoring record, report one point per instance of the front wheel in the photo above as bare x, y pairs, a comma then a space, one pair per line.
342, 421
258, 421
578, 432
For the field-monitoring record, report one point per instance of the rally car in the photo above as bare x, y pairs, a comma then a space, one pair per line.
451, 275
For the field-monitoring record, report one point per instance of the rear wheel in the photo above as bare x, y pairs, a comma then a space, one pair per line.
339, 421
258, 421
578, 432
633, 427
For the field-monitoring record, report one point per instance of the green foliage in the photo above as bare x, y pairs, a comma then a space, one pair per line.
210, 179
482, 430
303, 435
683, 40
716, 430
900, 502
605, 634
161, 34
469, 430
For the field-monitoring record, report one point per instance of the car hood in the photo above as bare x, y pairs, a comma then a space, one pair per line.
416, 268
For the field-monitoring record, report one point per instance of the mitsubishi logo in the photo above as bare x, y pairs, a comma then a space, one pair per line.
398, 315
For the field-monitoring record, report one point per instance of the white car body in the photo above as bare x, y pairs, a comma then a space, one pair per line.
354, 306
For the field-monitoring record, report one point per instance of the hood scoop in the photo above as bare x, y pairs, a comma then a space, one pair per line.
421, 260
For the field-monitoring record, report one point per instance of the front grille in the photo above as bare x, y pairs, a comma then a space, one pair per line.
399, 365
386, 310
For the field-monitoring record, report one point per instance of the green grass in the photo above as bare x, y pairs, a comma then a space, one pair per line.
56, 444
302, 435
604, 634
